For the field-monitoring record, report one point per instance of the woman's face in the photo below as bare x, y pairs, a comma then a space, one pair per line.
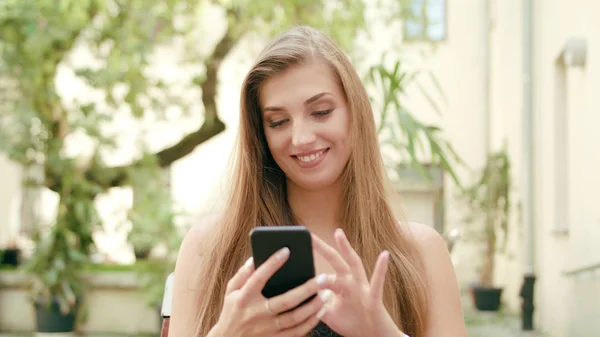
306, 123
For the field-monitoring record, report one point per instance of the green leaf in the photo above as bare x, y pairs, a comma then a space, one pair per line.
417, 137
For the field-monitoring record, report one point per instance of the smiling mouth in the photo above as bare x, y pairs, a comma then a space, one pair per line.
311, 157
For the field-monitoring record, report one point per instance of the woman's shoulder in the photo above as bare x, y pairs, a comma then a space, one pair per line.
206, 225
188, 276
425, 236
432, 247
444, 293
196, 239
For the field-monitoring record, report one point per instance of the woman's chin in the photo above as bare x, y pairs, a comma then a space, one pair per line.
314, 183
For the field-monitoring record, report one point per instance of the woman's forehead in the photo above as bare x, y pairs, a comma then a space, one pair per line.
299, 85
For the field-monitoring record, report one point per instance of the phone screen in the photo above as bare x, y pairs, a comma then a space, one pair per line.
299, 267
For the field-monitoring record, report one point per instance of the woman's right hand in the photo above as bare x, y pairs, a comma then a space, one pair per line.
246, 312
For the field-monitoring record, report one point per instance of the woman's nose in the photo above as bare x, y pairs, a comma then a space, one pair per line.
302, 134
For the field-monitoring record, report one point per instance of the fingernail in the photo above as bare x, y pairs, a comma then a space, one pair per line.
248, 263
341, 232
321, 279
321, 312
283, 253
325, 295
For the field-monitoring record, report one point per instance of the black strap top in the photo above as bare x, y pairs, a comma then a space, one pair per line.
322, 330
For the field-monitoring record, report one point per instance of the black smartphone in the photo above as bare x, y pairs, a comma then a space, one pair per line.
299, 267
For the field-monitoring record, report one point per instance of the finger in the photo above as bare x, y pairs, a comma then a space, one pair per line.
327, 298
379, 272
301, 314
292, 298
301, 329
241, 276
350, 255
337, 285
331, 255
259, 278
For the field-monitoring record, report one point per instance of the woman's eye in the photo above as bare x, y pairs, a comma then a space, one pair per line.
277, 123
322, 112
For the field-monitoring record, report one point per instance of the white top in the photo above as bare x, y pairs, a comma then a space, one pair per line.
168, 297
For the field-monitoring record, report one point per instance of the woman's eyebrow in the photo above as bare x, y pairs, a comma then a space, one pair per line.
307, 102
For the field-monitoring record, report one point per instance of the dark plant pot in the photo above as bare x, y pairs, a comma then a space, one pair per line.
141, 254
487, 298
50, 319
10, 257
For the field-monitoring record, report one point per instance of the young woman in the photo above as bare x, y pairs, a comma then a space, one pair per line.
308, 154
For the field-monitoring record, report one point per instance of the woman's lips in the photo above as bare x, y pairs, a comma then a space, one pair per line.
311, 159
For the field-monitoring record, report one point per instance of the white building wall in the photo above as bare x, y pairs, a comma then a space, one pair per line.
566, 156
566, 302
10, 200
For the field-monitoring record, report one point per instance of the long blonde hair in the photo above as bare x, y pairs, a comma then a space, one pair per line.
258, 190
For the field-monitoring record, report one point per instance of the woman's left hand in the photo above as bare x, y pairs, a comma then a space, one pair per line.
356, 307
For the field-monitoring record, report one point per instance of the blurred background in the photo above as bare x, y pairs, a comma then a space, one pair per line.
118, 118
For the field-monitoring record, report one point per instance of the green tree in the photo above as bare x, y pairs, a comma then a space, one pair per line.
40, 36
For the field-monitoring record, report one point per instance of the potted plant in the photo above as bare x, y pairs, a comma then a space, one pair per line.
153, 273
153, 219
57, 280
488, 199
60, 256
151, 216
416, 154
401, 131
142, 243
11, 254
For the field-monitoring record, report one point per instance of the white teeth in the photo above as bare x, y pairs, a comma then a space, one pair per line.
310, 158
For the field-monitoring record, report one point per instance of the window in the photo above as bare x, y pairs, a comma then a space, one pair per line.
425, 20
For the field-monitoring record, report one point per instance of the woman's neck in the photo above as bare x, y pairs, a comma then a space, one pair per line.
319, 210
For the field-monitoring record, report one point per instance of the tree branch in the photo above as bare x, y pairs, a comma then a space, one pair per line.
188, 143
116, 176
212, 125
209, 86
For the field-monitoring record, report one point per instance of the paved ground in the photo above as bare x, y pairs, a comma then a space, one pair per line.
482, 324
479, 325
495, 325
